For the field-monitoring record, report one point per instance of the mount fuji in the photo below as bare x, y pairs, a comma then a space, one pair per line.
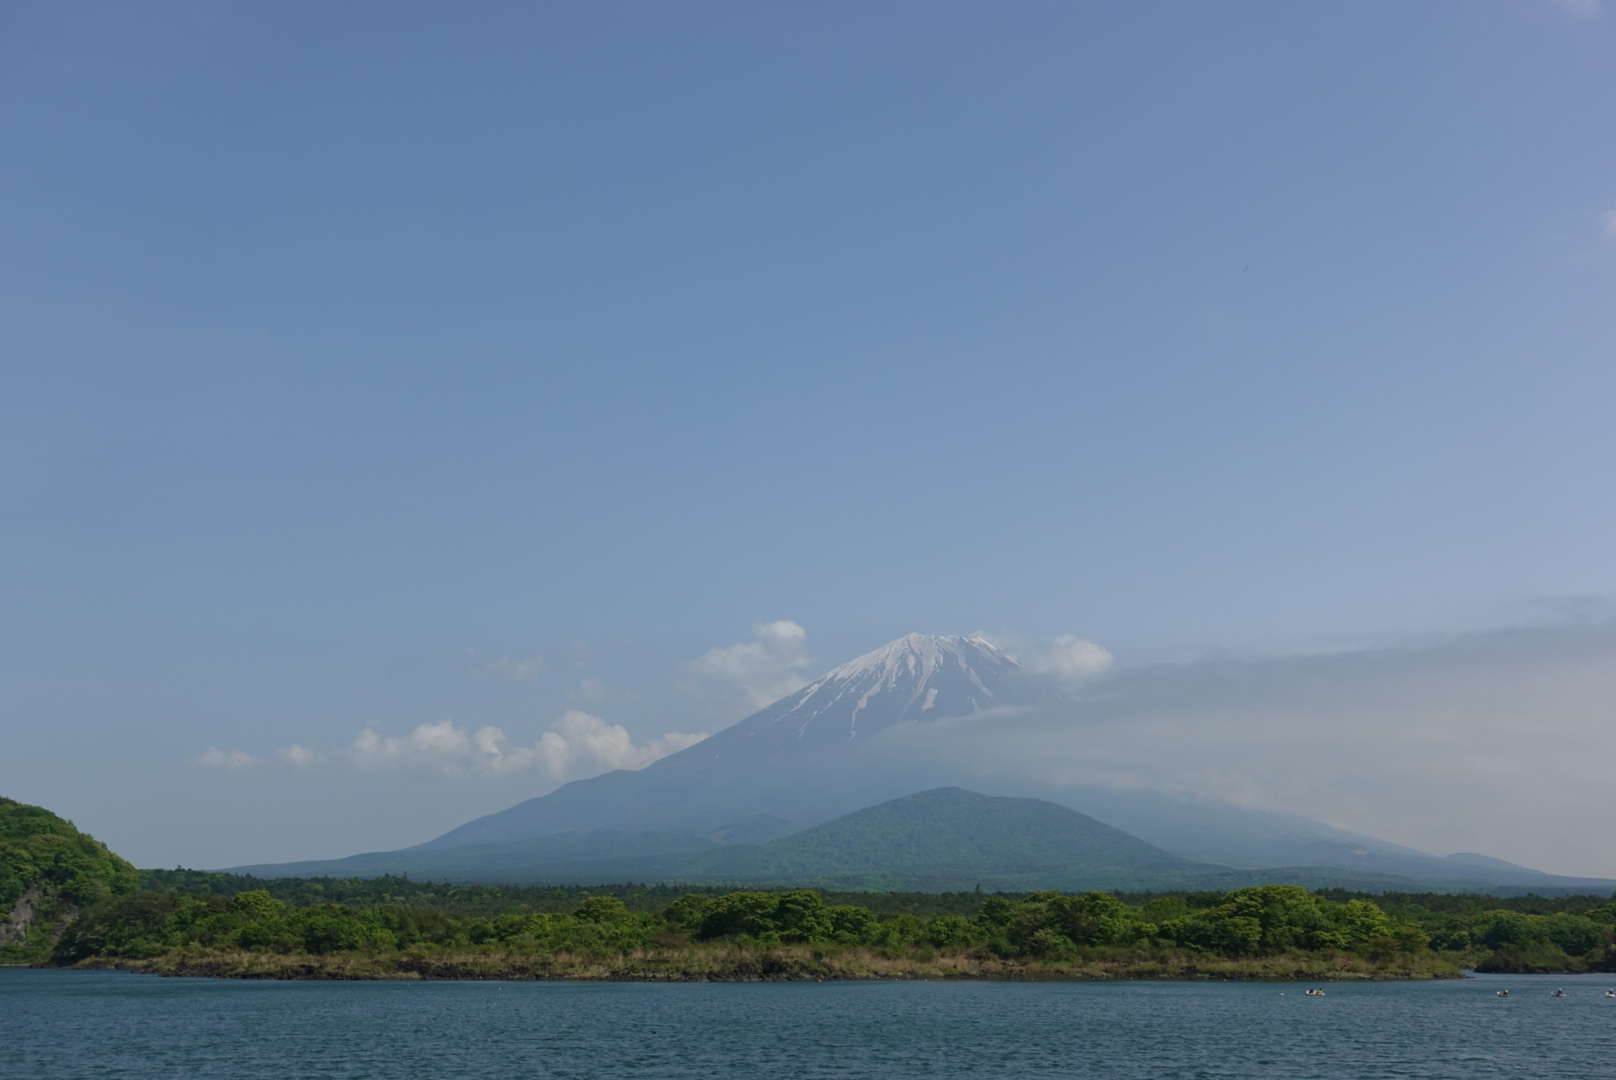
836, 746
804, 760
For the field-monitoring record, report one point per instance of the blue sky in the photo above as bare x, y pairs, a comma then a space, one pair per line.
355, 355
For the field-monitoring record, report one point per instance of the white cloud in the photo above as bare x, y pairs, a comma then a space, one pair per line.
576, 746
233, 761
1068, 659
764, 669
1581, 7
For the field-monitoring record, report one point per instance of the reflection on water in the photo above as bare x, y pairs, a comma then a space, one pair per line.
93, 1024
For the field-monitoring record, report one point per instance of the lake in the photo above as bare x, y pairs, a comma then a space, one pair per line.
81, 1025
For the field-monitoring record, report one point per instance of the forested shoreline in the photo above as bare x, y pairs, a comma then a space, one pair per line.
191, 923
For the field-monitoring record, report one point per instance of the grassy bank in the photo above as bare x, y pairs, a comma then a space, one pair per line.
742, 963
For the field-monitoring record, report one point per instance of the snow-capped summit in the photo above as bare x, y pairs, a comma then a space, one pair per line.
917, 678
921, 655
913, 670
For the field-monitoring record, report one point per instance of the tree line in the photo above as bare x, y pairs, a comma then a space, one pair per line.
1249, 922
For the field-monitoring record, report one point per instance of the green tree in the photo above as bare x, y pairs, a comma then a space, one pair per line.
739, 914
1095, 918
257, 904
686, 913
601, 909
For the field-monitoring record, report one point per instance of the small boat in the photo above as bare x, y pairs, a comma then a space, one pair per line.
1558, 993
1610, 993
1503, 993
1314, 993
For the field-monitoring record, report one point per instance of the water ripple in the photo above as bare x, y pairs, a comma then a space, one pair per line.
97, 1024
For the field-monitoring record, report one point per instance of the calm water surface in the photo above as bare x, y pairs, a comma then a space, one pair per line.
104, 1024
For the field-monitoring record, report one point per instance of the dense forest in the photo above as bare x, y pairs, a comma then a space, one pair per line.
490, 900
390, 927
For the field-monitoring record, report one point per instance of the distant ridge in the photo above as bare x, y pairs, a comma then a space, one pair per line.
942, 840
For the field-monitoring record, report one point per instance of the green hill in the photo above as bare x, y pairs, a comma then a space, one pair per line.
944, 839
48, 871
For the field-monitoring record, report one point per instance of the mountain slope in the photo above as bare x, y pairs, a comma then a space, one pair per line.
940, 841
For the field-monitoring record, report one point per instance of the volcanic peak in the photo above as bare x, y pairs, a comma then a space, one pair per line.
921, 676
